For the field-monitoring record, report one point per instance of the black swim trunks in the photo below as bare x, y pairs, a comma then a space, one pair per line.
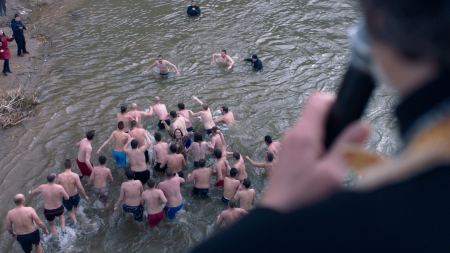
147, 157
158, 167
72, 202
161, 125
190, 129
51, 214
137, 211
142, 176
196, 164
199, 192
27, 240
208, 131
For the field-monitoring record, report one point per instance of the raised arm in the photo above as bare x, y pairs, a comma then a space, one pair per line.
196, 99
105, 143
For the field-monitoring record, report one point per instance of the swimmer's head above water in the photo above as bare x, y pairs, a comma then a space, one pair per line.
205, 106
181, 106
134, 144
90, 134
51, 178
198, 137
173, 148
233, 172
133, 124
270, 157
223, 53
160, 58
268, 139
157, 99
236, 155
225, 109
173, 114
102, 160
123, 109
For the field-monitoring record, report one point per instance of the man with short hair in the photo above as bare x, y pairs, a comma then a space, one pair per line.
21, 223
193, 10
137, 161
53, 195
245, 195
99, 180
272, 146
267, 165
84, 154
171, 186
72, 185
205, 115
227, 116
175, 161
223, 58
163, 66
137, 115
239, 164
198, 149
230, 215
120, 138
142, 136
217, 140
154, 201
222, 166
230, 186
201, 178
130, 195
17, 26
160, 150
256, 62
182, 111
124, 117
177, 122
161, 112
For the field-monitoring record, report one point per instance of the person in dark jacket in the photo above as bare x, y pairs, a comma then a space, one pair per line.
4, 52
398, 206
193, 10
17, 26
256, 62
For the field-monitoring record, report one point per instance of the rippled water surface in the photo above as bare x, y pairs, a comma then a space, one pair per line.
96, 62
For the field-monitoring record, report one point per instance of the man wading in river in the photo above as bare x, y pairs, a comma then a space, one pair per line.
130, 195
84, 154
120, 138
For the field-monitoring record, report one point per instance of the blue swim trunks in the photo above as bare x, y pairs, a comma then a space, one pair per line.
120, 157
172, 211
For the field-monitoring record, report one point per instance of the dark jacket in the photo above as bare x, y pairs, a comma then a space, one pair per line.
17, 27
193, 11
257, 65
408, 216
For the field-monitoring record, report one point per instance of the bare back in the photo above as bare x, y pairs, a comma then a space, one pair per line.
22, 219
246, 198
207, 119
100, 176
132, 191
125, 118
52, 194
198, 150
84, 150
171, 188
202, 177
230, 187
120, 139
187, 117
160, 151
140, 135
153, 200
221, 168
175, 162
240, 166
161, 111
69, 181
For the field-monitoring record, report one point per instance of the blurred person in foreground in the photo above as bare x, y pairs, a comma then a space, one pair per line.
397, 206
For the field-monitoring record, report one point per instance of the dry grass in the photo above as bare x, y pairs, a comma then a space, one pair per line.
15, 107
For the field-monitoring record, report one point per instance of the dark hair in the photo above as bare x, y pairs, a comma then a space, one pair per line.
120, 125
173, 148
225, 108
173, 114
217, 153
151, 183
198, 137
232, 203
225, 51
179, 130
102, 159
133, 124
201, 163
90, 134
123, 108
51, 177
160, 56
214, 129
181, 106
268, 139
417, 29
246, 183
170, 173
67, 164
16, 15
270, 157
233, 172
205, 106
134, 144
129, 174
254, 57
158, 136
236, 155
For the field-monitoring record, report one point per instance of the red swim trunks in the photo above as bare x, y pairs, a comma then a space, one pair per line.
154, 219
85, 170
219, 183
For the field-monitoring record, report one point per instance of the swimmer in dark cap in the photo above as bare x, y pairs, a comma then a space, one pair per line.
193, 10
256, 62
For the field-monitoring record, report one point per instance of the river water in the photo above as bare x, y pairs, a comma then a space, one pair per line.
95, 62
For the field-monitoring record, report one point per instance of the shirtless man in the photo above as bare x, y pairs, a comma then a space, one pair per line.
240, 166
120, 138
163, 66
227, 117
141, 135
223, 58
171, 187
268, 165
160, 150
272, 146
72, 185
217, 140
130, 195
245, 195
99, 179
230, 215
175, 161
177, 122
123, 116
222, 166
52, 195
84, 154
201, 178
182, 111
160, 110
137, 161
198, 149
154, 201
137, 115
230, 186
205, 115
21, 223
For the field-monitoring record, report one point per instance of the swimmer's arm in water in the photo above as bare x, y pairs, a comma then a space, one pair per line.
34, 191
105, 143
231, 62
173, 66
122, 193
